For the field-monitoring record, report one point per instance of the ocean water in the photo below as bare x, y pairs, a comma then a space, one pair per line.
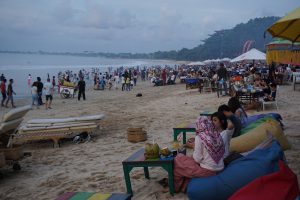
18, 66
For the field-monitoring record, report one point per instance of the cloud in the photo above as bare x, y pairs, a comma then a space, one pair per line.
123, 26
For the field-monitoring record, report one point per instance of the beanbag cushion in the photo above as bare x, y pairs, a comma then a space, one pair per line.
280, 185
253, 118
255, 124
252, 138
237, 174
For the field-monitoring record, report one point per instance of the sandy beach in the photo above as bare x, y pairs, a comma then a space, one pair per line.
96, 166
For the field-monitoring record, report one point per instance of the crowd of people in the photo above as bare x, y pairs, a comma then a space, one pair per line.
256, 75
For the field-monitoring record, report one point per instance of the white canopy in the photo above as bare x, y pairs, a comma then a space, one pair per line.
226, 59
196, 63
207, 61
253, 54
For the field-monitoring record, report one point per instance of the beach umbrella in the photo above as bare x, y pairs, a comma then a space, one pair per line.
251, 55
287, 27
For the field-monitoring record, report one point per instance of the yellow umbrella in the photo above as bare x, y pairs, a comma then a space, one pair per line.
287, 27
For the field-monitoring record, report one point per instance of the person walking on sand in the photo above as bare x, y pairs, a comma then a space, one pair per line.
81, 89
48, 87
53, 82
222, 77
40, 86
34, 95
3, 91
10, 93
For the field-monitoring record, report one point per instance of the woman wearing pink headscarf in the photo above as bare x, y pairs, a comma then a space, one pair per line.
211, 147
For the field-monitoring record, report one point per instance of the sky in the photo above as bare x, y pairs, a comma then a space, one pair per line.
135, 26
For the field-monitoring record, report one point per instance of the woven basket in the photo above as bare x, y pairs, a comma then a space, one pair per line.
136, 135
135, 129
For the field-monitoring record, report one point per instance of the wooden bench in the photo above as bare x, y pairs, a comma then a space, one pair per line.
55, 129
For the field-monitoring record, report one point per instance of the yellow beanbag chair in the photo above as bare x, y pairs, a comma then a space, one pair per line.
251, 139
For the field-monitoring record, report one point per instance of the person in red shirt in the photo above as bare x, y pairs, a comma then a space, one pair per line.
164, 76
3, 91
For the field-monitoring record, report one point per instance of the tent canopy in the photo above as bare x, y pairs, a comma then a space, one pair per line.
196, 63
253, 54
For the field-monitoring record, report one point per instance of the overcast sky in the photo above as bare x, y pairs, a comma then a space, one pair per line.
137, 26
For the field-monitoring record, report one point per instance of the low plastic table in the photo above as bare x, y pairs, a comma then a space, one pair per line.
183, 128
138, 160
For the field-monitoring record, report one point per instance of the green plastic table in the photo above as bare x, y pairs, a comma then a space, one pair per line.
187, 127
183, 128
138, 160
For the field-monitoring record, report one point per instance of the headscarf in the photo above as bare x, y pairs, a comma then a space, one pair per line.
211, 138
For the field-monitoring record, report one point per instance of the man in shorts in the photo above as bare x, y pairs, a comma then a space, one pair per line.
48, 87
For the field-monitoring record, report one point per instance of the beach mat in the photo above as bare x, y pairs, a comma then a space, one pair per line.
93, 196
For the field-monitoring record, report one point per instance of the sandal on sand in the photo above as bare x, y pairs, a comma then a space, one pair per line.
163, 182
165, 189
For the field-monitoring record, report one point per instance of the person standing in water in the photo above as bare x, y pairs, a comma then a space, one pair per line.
29, 79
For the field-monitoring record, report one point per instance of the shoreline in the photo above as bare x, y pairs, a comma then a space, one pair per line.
96, 166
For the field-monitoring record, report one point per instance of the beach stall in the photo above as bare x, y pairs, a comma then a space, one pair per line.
283, 51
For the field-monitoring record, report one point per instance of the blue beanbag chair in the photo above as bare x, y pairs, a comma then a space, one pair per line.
253, 118
237, 174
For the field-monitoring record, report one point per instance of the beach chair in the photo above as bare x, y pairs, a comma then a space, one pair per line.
9, 125
275, 102
55, 129
11, 121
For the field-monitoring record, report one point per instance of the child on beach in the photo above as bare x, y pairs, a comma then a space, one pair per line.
127, 82
272, 96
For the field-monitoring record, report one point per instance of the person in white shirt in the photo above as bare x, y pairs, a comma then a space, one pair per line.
48, 87
210, 148
117, 80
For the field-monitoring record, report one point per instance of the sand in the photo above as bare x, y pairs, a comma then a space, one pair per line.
96, 166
